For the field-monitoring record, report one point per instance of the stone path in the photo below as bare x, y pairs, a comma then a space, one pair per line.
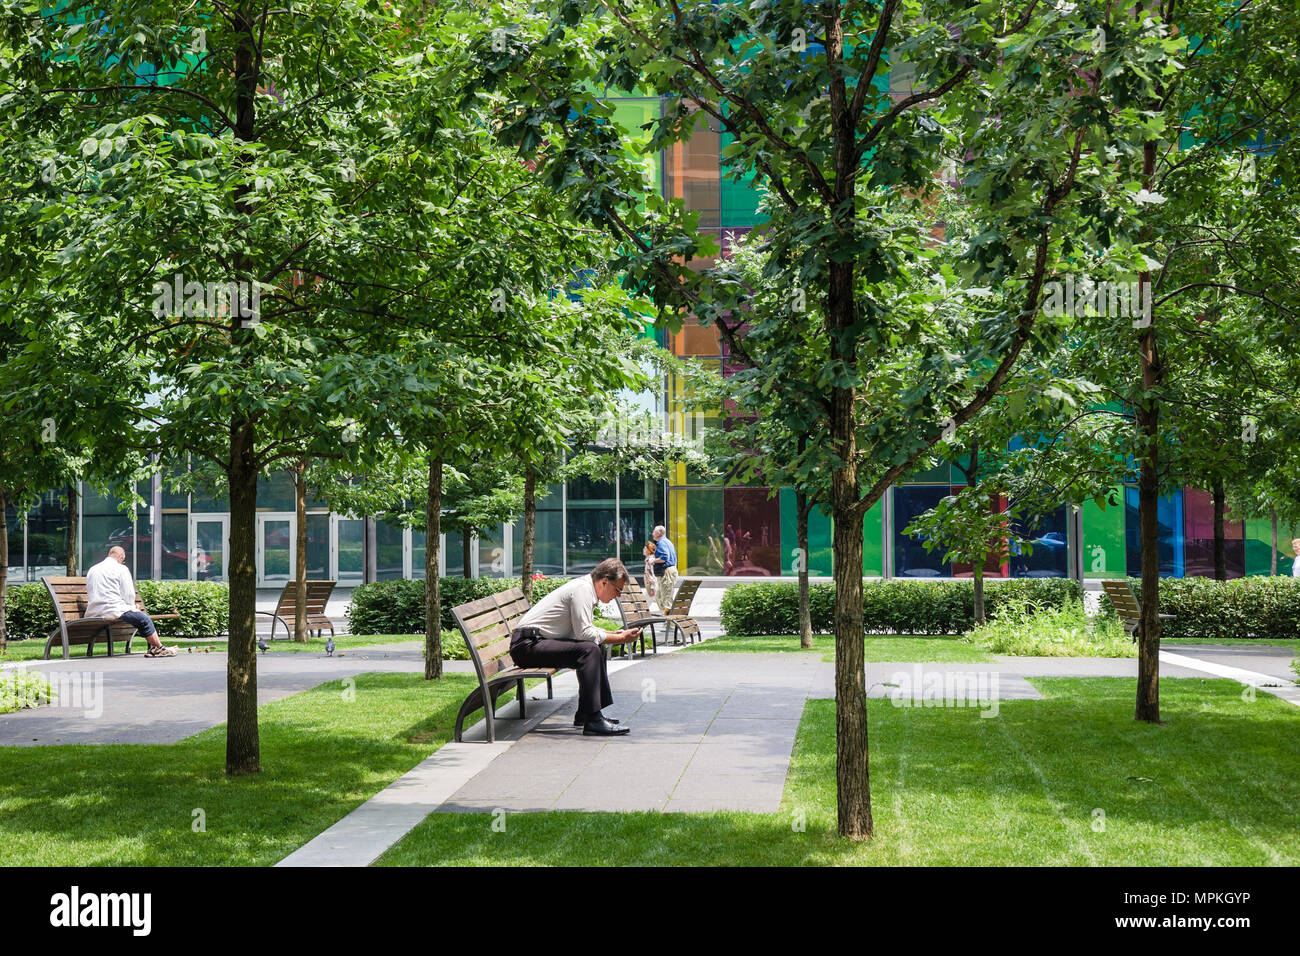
135, 700
709, 732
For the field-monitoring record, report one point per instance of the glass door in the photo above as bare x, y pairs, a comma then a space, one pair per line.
276, 546
209, 545
349, 551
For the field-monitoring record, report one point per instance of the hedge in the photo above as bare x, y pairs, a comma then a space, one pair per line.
204, 607
1243, 608
397, 607
889, 607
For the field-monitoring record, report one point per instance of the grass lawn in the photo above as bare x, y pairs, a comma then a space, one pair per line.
880, 647
1070, 780
322, 756
31, 650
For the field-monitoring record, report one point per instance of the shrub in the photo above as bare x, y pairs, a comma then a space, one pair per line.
204, 606
29, 612
1204, 609
888, 607
21, 689
1026, 629
397, 607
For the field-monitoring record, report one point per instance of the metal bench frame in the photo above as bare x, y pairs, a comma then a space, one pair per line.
486, 626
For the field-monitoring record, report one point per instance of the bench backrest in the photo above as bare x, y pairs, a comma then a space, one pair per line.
1121, 595
486, 626
69, 597
318, 595
632, 603
683, 597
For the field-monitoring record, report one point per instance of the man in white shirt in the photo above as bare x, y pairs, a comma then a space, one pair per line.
558, 632
110, 594
1295, 567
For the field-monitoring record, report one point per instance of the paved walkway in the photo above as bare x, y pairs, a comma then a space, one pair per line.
135, 700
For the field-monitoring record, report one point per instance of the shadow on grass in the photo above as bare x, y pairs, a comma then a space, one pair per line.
324, 752
1069, 780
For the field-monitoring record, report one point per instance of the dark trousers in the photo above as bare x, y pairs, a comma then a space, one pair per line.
586, 658
143, 623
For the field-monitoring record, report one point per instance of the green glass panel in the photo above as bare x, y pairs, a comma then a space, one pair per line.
1104, 543
702, 551
275, 492
819, 538
873, 565
1259, 547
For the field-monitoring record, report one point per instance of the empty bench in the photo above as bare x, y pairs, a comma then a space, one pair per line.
1126, 606
74, 628
318, 595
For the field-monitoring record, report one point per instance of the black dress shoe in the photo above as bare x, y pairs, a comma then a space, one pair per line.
580, 719
601, 726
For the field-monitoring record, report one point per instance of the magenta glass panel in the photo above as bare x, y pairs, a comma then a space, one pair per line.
1198, 537
751, 536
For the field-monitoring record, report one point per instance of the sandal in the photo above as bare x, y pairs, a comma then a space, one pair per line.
159, 651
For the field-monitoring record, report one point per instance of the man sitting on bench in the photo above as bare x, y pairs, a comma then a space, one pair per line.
110, 594
558, 632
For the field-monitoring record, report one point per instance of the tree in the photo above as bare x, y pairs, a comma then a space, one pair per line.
799, 90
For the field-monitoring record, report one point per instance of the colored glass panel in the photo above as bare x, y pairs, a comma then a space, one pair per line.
548, 544
911, 559
1048, 556
751, 538
1104, 537
691, 171
1198, 537
1169, 523
818, 558
699, 526
873, 529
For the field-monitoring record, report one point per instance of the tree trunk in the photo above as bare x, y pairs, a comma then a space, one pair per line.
805, 599
1220, 557
1147, 707
432, 597
4, 572
530, 531
1272, 514
300, 559
243, 751
74, 556
465, 539
852, 776
979, 594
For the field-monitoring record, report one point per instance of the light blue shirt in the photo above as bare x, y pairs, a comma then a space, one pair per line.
664, 551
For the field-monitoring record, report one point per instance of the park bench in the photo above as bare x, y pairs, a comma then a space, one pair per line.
634, 609
318, 595
680, 611
69, 597
486, 626
1126, 606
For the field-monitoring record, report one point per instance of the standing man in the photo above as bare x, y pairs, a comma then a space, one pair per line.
1295, 566
110, 593
558, 632
665, 568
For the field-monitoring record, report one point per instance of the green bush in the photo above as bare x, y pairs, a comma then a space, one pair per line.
1025, 629
397, 607
29, 612
888, 607
204, 607
1259, 608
